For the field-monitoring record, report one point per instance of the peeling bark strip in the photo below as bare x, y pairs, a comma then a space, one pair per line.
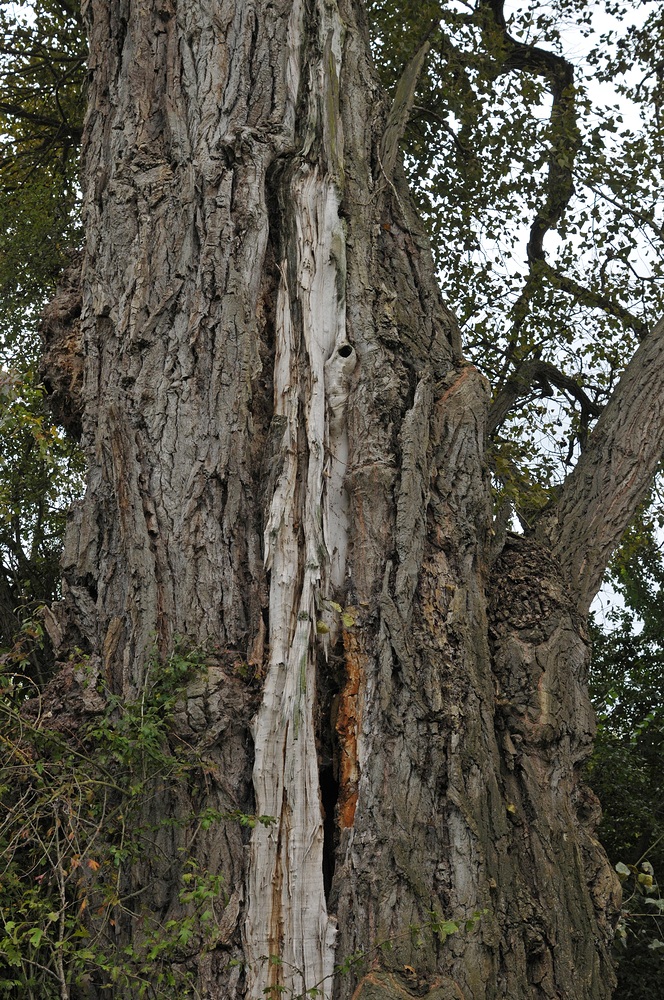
287, 911
278, 422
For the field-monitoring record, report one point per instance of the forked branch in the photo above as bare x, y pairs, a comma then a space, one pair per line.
530, 376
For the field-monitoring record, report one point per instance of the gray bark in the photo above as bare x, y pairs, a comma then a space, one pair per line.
278, 420
599, 498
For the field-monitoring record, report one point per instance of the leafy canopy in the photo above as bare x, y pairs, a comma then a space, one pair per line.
535, 148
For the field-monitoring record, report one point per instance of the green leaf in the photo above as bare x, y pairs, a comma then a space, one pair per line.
449, 927
35, 934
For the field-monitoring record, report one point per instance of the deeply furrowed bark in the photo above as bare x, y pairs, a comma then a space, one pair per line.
278, 422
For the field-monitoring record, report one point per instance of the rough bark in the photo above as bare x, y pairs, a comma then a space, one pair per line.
61, 365
599, 498
278, 421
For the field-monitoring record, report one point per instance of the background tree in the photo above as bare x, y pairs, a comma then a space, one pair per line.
39, 477
41, 109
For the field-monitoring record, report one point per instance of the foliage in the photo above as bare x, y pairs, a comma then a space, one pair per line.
40, 474
640, 933
42, 68
42, 102
535, 148
75, 807
627, 679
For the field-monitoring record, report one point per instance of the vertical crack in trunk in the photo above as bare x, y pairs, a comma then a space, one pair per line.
294, 538
329, 791
305, 547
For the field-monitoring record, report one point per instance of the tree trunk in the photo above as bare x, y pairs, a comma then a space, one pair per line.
279, 422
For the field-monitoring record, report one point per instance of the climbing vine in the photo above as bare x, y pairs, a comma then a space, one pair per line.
74, 808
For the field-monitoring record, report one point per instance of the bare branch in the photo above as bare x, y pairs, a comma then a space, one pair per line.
531, 373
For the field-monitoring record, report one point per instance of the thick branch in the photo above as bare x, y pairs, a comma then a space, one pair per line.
565, 137
599, 497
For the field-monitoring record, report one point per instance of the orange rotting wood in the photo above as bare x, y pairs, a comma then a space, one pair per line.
348, 727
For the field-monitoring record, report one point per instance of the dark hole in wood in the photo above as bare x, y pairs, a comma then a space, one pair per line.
329, 793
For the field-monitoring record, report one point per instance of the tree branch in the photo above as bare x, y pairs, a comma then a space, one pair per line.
595, 300
599, 498
400, 110
60, 127
524, 378
585, 296
565, 135
634, 213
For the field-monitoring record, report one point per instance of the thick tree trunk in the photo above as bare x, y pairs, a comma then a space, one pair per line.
278, 422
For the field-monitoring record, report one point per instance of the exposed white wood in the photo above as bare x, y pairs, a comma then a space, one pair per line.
338, 370
289, 937
287, 915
